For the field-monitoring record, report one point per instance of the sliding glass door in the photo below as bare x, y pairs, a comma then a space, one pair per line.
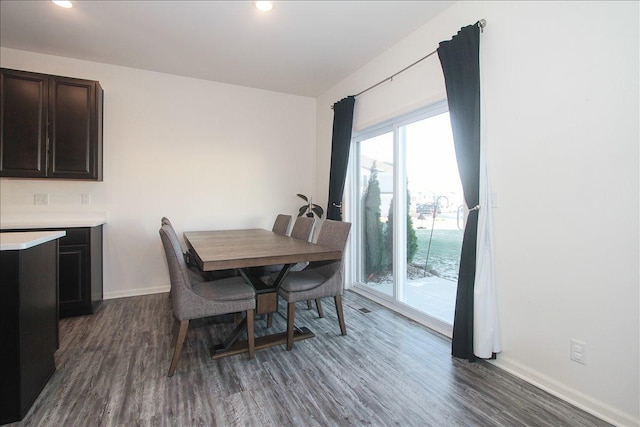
409, 217
376, 195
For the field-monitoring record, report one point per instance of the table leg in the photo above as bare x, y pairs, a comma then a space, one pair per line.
232, 346
232, 338
266, 341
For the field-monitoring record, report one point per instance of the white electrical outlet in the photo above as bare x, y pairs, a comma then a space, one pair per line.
86, 199
40, 199
578, 351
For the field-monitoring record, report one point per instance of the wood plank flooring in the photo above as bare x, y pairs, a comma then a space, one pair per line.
388, 371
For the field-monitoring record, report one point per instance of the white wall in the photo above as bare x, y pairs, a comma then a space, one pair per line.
560, 81
207, 155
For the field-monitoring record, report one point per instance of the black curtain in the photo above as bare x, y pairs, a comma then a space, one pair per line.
461, 67
340, 144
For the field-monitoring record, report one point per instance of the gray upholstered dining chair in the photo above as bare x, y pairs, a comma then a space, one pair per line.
193, 300
195, 272
319, 279
281, 224
302, 228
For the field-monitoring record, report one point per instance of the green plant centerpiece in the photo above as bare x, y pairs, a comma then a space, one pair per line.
309, 208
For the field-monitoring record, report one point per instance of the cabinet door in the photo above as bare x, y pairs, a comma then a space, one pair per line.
74, 149
23, 125
73, 279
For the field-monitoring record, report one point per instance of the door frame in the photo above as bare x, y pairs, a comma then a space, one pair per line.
353, 214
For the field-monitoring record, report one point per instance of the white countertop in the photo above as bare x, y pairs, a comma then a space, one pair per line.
34, 220
27, 239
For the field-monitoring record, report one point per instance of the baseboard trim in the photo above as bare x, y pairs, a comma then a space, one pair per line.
136, 292
576, 398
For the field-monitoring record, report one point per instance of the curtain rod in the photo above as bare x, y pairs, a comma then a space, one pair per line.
481, 23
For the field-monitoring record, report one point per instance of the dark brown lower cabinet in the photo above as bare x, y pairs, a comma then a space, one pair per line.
28, 326
80, 271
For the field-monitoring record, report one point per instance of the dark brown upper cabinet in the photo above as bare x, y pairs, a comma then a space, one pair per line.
50, 126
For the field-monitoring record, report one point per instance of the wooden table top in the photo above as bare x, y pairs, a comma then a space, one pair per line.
224, 249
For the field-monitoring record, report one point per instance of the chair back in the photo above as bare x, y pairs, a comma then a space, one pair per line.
281, 224
334, 235
165, 221
302, 228
178, 270
188, 258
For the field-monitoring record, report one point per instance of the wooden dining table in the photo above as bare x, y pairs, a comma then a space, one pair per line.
245, 248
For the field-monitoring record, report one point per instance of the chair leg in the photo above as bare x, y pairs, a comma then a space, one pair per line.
179, 340
343, 327
174, 332
309, 304
250, 334
319, 307
291, 317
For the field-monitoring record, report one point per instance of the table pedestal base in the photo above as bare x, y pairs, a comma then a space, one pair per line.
239, 347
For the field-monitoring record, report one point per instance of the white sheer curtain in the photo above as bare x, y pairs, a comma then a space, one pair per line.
486, 330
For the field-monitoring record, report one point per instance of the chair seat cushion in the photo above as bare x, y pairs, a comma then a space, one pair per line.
230, 289
300, 281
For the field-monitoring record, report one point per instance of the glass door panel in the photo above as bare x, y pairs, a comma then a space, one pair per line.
376, 171
434, 232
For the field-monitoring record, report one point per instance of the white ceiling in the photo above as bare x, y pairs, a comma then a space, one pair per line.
300, 47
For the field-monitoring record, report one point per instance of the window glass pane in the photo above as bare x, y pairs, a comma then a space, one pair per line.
376, 192
434, 229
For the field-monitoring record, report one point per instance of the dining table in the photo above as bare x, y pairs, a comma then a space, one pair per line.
242, 249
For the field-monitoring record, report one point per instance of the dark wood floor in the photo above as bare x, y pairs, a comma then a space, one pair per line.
388, 371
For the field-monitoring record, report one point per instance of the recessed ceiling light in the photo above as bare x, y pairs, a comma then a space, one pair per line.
264, 6
63, 3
